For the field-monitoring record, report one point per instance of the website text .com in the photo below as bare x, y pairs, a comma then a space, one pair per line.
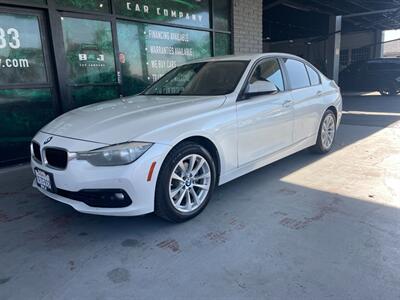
14, 63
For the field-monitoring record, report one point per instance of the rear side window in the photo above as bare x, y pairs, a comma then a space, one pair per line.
269, 70
297, 74
314, 77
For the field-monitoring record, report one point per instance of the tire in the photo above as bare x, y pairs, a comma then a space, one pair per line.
322, 147
391, 90
175, 199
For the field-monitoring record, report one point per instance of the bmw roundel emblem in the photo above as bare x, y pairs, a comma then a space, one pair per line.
48, 140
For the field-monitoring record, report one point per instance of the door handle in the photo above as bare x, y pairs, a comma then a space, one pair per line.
319, 93
287, 103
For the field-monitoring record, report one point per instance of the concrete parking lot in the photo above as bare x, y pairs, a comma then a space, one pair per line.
307, 227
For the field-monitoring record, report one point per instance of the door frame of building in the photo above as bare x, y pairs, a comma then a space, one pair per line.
62, 66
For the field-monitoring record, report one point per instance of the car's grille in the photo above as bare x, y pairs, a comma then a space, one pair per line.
56, 158
36, 151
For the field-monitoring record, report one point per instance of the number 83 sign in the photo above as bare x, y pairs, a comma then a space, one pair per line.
9, 37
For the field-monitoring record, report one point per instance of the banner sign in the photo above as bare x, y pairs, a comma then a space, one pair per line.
149, 51
182, 12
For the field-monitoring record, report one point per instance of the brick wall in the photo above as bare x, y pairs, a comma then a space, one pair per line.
247, 26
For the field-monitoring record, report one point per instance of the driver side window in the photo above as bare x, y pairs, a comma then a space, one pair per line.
269, 70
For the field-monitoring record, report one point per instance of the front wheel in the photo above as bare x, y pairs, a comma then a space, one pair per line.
326, 134
186, 183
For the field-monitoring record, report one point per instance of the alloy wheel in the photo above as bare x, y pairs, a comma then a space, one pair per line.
328, 131
190, 183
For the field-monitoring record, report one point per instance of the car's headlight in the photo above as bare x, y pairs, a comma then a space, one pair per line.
117, 155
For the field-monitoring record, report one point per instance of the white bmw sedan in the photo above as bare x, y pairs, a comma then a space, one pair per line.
201, 125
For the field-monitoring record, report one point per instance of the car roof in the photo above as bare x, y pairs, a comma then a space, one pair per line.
246, 57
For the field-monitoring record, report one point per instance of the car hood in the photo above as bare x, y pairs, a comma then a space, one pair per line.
127, 119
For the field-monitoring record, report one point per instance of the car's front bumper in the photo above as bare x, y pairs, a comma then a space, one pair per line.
80, 176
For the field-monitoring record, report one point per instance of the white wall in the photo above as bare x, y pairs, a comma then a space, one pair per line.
391, 49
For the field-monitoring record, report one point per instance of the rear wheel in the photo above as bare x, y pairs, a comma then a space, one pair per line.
326, 134
391, 90
186, 183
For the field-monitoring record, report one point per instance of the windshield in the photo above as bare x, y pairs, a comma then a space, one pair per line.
200, 79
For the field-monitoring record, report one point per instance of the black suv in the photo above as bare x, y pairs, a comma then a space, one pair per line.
382, 75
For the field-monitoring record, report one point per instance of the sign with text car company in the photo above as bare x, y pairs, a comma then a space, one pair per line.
179, 12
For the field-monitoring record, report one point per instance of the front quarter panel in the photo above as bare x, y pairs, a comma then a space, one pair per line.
218, 126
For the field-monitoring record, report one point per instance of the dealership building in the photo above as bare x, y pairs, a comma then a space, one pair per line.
56, 55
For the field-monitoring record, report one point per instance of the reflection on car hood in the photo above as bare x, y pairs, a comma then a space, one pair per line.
126, 119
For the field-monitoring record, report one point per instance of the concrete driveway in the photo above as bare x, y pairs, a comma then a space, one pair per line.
307, 227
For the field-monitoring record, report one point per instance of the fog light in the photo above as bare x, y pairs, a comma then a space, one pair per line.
119, 196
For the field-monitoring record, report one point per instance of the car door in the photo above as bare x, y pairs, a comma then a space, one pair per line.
362, 78
350, 78
383, 75
307, 97
265, 122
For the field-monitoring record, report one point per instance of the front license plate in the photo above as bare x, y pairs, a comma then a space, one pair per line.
45, 180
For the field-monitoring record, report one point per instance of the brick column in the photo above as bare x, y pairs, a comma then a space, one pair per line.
247, 26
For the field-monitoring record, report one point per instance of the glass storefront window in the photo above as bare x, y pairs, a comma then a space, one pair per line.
22, 113
222, 44
21, 51
90, 58
29, 2
183, 12
149, 51
93, 5
222, 11
89, 51
91, 94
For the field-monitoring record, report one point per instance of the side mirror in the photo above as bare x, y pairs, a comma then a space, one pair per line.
261, 87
